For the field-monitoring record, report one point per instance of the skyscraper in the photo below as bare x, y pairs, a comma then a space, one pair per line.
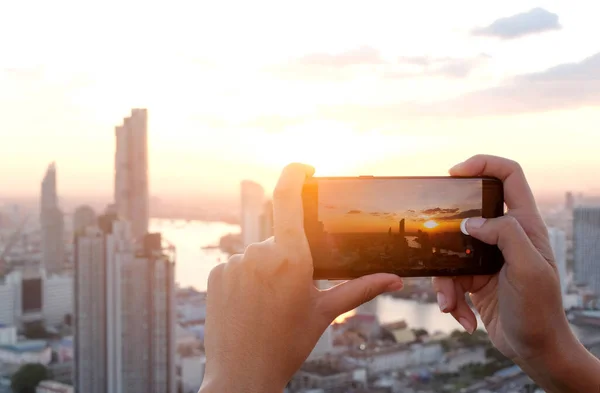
131, 171
586, 247
124, 311
558, 242
83, 217
252, 202
52, 224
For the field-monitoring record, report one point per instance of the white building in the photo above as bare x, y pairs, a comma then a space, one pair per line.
31, 295
54, 387
57, 300
558, 242
192, 372
8, 335
23, 352
131, 171
586, 246
52, 221
386, 359
252, 200
124, 319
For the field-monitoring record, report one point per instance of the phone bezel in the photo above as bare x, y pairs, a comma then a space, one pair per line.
491, 207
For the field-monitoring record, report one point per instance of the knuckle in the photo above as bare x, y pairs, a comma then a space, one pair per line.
509, 223
514, 166
215, 273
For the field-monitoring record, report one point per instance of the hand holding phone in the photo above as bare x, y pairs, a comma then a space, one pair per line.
409, 226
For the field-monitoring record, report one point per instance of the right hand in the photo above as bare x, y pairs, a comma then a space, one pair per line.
521, 306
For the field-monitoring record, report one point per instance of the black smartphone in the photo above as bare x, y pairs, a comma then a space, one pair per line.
409, 226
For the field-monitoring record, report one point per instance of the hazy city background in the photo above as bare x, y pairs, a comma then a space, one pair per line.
140, 144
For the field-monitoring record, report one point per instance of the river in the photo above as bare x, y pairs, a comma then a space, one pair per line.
194, 264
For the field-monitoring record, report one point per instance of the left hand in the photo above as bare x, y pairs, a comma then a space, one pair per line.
264, 314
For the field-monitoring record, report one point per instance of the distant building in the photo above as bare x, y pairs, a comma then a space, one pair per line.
125, 311
324, 346
586, 246
252, 203
54, 387
396, 357
33, 296
569, 201
558, 242
329, 375
8, 335
266, 221
23, 352
83, 217
131, 171
52, 222
192, 372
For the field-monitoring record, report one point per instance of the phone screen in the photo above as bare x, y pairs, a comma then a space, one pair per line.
407, 226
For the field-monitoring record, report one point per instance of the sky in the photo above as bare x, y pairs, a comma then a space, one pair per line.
237, 90
376, 205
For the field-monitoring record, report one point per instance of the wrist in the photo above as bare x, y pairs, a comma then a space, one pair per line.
566, 367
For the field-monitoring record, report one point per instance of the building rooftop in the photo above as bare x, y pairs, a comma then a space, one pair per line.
26, 346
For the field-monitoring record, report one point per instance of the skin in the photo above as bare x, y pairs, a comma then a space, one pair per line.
264, 314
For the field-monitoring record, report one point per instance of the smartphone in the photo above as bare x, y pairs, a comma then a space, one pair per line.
409, 226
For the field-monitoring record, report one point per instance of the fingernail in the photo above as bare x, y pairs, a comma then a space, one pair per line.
395, 286
466, 324
457, 167
475, 223
441, 299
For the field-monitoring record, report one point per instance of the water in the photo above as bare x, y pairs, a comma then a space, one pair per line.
194, 265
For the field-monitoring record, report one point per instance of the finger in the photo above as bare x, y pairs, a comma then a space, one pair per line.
517, 192
288, 217
351, 294
446, 296
507, 234
463, 313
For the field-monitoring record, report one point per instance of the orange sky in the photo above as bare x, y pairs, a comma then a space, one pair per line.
238, 94
374, 205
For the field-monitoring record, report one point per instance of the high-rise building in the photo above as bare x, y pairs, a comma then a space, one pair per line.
266, 221
586, 247
124, 318
83, 217
558, 242
52, 223
569, 201
252, 201
131, 171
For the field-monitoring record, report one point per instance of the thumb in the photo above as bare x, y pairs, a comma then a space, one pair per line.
351, 294
508, 234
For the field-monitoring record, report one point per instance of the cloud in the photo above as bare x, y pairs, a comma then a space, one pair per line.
375, 214
354, 212
329, 207
534, 21
438, 210
364, 55
410, 211
464, 214
427, 66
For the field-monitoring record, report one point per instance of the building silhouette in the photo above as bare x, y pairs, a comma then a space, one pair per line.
252, 208
124, 311
131, 171
586, 247
558, 242
52, 224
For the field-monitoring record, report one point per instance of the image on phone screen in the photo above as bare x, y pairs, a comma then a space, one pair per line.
408, 226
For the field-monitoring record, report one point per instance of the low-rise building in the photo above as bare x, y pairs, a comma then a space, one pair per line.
54, 387
29, 351
381, 359
8, 335
331, 375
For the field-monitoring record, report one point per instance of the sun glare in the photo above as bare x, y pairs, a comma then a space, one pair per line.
430, 224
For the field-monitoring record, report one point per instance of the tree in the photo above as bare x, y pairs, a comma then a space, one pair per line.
26, 379
35, 331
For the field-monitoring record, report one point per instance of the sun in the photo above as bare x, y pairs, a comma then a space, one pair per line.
430, 224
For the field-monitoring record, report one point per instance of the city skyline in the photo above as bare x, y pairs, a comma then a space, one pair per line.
457, 87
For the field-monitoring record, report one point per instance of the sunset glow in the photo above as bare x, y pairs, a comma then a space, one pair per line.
430, 224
